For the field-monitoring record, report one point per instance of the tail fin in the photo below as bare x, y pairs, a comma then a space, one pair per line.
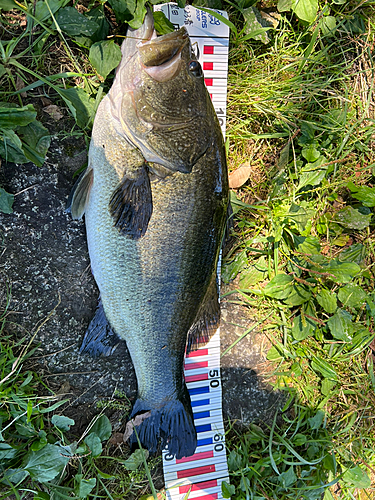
172, 424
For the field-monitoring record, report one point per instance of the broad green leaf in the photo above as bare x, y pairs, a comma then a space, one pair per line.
234, 461
355, 253
11, 117
340, 272
162, 23
102, 428
327, 300
256, 26
227, 489
256, 272
324, 368
45, 464
135, 459
287, 478
80, 104
14, 476
309, 245
341, 326
302, 328
61, 422
327, 385
6, 202
41, 11
35, 142
298, 295
11, 147
352, 218
312, 173
97, 15
123, 9
316, 421
73, 23
301, 216
305, 9
83, 487
2, 70
7, 452
138, 16
310, 153
328, 25
299, 439
231, 270
280, 287
364, 194
273, 354
356, 478
94, 443
352, 295
105, 56
8, 5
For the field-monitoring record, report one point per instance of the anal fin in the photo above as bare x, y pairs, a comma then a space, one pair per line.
207, 320
79, 195
131, 204
99, 339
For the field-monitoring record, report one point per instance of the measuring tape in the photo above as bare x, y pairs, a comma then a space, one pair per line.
199, 477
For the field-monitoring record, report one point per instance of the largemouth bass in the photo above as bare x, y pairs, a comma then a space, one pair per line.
155, 197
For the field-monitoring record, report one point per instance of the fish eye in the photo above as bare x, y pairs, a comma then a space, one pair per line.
195, 68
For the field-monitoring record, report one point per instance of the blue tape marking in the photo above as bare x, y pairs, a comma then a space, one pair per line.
202, 402
204, 442
202, 414
199, 390
203, 428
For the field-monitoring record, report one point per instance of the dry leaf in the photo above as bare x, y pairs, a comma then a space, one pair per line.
53, 111
116, 439
239, 176
20, 84
134, 422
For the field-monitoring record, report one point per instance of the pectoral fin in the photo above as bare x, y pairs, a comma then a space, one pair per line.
79, 194
208, 318
131, 204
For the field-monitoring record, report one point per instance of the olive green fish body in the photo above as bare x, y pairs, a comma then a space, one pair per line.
155, 261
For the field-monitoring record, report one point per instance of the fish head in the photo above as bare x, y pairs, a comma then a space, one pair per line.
162, 102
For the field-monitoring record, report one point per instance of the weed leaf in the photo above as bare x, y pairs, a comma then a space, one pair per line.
352, 218
73, 23
364, 194
341, 326
6, 202
162, 23
135, 459
83, 487
15, 476
12, 117
227, 489
102, 428
7, 452
231, 270
302, 328
357, 478
61, 422
327, 300
94, 443
36, 142
80, 104
41, 11
105, 56
316, 421
280, 287
352, 295
123, 9
341, 272
45, 464
287, 478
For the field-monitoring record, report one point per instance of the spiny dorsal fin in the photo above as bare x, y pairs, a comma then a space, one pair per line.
131, 204
79, 194
208, 318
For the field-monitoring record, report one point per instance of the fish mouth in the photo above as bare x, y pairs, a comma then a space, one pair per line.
160, 56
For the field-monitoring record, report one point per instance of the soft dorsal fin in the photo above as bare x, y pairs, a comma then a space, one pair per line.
79, 194
207, 320
131, 203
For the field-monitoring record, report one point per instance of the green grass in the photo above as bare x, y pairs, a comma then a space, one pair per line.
301, 113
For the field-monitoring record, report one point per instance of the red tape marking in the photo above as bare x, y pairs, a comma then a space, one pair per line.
195, 472
194, 366
208, 66
196, 456
208, 49
198, 486
200, 352
196, 378
208, 82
